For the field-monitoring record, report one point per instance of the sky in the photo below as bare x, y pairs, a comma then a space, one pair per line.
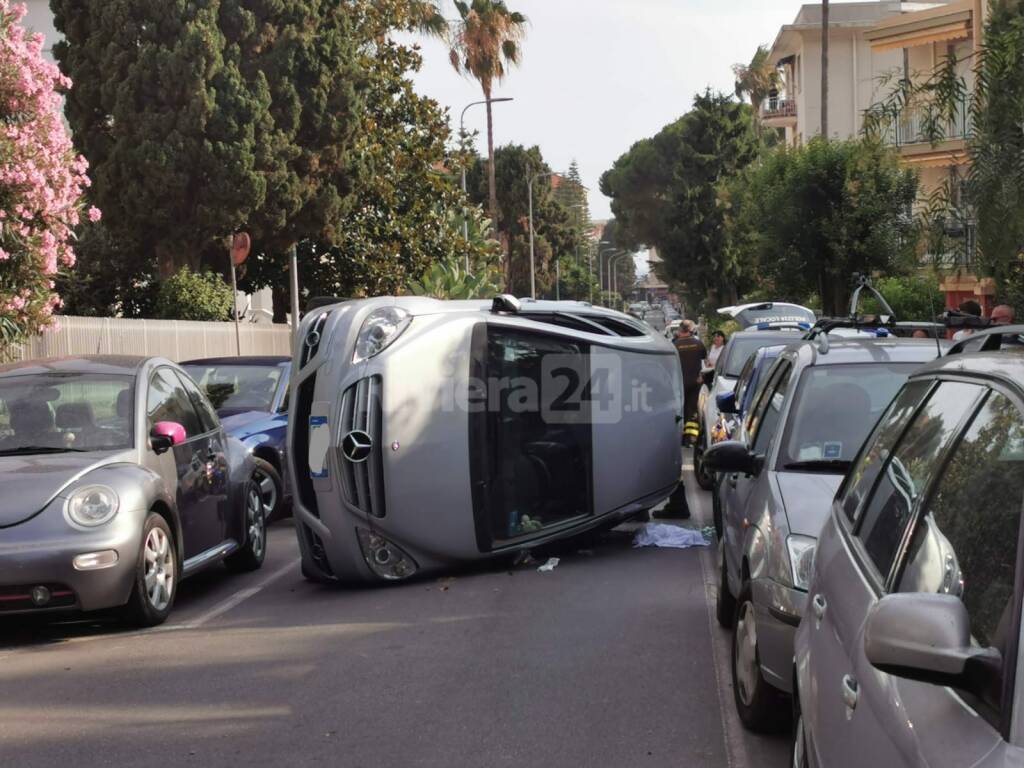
599, 75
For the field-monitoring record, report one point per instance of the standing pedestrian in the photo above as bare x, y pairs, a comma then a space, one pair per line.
692, 355
972, 308
1002, 315
717, 345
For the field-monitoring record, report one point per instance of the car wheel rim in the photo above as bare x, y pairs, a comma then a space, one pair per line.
799, 745
255, 520
746, 653
268, 491
158, 576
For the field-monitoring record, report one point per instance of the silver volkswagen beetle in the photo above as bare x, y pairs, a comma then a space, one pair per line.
118, 481
427, 433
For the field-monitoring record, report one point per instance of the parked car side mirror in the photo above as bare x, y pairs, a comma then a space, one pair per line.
927, 637
726, 402
708, 377
732, 456
165, 435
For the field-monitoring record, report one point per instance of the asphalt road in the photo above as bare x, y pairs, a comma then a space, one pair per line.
612, 659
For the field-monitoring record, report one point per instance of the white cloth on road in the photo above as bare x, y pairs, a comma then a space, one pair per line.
664, 535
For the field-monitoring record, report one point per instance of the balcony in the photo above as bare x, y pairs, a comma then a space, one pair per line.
779, 113
920, 124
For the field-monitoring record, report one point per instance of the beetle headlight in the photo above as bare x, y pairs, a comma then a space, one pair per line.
801, 559
380, 329
92, 505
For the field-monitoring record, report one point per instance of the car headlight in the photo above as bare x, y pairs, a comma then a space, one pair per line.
92, 505
380, 329
801, 559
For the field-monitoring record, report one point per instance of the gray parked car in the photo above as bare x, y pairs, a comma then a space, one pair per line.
118, 481
818, 404
426, 433
911, 652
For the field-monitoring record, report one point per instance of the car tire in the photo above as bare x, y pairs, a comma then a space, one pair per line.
156, 575
705, 479
271, 489
716, 514
250, 557
761, 707
725, 603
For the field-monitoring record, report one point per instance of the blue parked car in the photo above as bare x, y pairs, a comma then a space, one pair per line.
250, 395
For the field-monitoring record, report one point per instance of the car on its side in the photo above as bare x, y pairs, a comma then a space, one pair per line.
819, 403
426, 433
910, 653
250, 395
119, 481
722, 380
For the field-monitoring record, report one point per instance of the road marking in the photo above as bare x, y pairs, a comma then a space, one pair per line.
236, 599
736, 754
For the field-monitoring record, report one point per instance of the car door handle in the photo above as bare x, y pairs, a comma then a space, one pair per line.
818, 605
851, 691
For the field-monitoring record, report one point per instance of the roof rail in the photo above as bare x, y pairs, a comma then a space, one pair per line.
862, 282
506, 302
991, 339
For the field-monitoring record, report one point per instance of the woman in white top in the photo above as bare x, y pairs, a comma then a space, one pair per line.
717, 345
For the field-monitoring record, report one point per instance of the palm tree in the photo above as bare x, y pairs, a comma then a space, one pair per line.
484, 45
757, 79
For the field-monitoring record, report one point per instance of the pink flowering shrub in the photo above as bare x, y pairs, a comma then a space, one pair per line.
41, 181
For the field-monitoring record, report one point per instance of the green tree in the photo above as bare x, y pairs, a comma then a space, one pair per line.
810, 217
188, 295
408, 210
757, 79
484, 44
571, 194
665, 193
911, 297
200, 118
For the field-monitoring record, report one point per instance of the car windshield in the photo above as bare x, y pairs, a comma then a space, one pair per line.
238, 387
58, 412
742, 347
835, 409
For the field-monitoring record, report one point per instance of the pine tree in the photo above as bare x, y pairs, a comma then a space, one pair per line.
572, 195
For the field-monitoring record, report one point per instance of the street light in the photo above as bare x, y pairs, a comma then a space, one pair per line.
604, 279
615, 275
462, 137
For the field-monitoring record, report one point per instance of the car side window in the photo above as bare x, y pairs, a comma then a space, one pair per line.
907, 472
965, 543
168, 401
207, 416
770, 408
879, 446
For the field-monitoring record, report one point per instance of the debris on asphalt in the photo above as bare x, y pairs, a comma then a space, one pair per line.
524, 558
549, 565
671, 536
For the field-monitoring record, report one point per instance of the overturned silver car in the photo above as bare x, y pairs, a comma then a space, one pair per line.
427, 433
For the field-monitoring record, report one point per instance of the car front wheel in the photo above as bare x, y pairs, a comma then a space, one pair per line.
156, 575
725, 603
705, 479
254, 549
271, 489
760, 706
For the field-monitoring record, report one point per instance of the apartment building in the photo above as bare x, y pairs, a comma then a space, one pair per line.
872, 45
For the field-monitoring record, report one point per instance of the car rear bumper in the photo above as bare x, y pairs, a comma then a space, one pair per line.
778, 609
41, 552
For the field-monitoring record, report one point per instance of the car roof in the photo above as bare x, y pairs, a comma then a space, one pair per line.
244, 360
109, 364
865, 350
1006, 365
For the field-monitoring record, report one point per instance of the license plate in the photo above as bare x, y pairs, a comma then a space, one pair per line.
319, 440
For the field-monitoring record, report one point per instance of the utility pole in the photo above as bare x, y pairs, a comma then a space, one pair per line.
824, 68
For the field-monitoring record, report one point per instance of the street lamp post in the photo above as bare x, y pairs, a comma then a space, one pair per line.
462, 137
529, 199
615, 274
604, 272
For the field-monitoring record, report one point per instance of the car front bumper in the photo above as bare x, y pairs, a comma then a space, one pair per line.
778, 609
42, 551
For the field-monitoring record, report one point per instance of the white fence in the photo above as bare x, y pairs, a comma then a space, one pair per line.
175, 339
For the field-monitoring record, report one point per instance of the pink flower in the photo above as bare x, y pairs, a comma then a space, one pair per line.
94, 214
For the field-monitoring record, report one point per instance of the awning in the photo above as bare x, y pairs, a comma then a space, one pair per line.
908, 30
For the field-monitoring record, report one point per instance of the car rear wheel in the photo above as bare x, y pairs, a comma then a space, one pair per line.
725, 603
156, 575
705, 479
271, 489
254, 550
760, 706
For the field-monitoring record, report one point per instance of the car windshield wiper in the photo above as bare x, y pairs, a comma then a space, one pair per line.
820, 465
22, 449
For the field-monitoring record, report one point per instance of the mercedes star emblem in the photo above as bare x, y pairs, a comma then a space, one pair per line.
356, 446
